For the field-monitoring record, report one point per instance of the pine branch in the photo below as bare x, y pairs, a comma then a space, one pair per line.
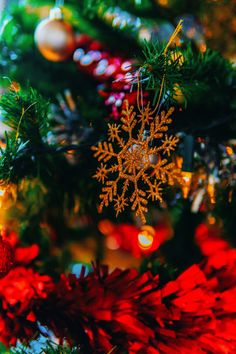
27, 114
8, 160
195, 73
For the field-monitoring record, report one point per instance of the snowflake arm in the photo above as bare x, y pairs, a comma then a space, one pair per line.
103, 171
128, 119
109, 191
114, 134
139, 203
169, 144
104, 151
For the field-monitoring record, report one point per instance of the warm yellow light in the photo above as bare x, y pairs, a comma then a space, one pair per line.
202, 47
211, 220
163, 3
179, 162
187, 179
229, 150
146, 237
211, 189
2, 192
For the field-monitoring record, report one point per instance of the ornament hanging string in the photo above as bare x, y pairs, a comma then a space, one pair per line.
139, 82
172, 38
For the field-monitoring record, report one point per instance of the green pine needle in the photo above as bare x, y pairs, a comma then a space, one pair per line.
8, 160
26, 113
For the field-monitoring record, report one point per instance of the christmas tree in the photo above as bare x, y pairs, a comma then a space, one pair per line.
117, 170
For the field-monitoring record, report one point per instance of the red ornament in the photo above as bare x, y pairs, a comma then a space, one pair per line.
6, 257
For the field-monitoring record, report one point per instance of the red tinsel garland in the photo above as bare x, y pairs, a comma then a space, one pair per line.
196, 313
122, 309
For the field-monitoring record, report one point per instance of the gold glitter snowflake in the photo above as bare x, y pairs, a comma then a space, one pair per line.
135, 161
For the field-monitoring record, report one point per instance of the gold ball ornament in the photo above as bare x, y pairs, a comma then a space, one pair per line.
54, 37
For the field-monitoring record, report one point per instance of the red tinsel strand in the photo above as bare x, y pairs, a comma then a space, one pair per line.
129, 311
196, 313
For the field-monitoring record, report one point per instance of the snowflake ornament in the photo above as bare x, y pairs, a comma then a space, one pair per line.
135, 161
